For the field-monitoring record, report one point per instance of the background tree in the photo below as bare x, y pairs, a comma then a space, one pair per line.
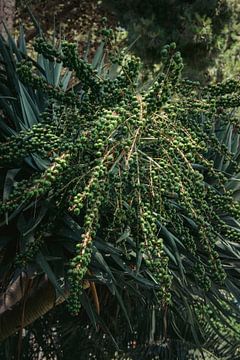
195, 26
206, 32
7, 13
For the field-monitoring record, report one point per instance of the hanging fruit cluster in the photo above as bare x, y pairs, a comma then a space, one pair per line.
125, 156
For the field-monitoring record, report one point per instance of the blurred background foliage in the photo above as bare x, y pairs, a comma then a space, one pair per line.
206, 31
195, 26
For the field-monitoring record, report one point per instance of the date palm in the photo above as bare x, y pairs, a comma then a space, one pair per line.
120, 198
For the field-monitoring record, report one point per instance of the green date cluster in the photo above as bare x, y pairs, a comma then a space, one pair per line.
124, 156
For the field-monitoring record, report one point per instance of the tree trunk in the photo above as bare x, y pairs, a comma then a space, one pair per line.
7, 11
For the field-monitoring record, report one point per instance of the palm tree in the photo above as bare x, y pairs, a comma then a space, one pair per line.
119, 198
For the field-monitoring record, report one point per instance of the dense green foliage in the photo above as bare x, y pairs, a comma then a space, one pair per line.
226, 64
205, 31
132, 186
